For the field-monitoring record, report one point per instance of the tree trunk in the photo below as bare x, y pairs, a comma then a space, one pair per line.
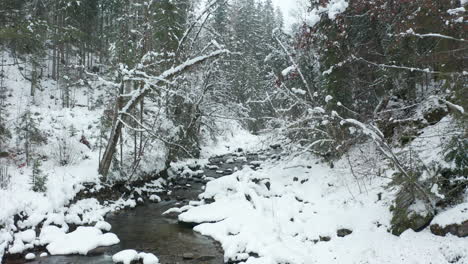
33, 77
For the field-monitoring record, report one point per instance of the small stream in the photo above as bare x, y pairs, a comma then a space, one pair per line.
145, 229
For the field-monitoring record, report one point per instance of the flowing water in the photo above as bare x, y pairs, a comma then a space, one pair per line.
145, 229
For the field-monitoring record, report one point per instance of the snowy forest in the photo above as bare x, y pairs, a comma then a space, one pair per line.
234, 131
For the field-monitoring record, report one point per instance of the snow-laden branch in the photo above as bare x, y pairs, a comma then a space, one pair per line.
412, 69
149, 131
410, 32
455, 107
150, 84
205, 11
294, 64
378, 138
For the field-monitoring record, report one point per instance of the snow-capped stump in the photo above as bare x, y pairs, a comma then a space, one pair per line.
343, 232
103, 225
43, 255
126, 256
30, 256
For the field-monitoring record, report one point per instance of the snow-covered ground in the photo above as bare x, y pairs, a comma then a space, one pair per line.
296, 210
233, 137
300, 211
62, 128
285, 212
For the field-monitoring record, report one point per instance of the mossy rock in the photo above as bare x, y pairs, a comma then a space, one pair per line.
403, 220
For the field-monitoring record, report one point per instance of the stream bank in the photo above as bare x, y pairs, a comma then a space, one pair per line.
146, 229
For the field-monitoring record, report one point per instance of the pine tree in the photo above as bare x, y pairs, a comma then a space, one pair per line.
38, 179
28, 133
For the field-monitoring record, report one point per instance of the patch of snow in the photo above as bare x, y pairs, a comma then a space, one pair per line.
81, 241
288, 70
298, 91
232, 138
456, 215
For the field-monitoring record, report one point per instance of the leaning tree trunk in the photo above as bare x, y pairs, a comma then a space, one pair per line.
122, 112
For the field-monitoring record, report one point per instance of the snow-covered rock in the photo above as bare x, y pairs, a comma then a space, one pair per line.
30, 256
49, 234
81, 241
148, 258
27, 236
103, 225
155, 198
125, 256
17, 247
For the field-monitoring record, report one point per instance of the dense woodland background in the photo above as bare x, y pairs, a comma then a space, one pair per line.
164, 76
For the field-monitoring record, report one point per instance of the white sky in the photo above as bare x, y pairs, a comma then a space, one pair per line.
286, 7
